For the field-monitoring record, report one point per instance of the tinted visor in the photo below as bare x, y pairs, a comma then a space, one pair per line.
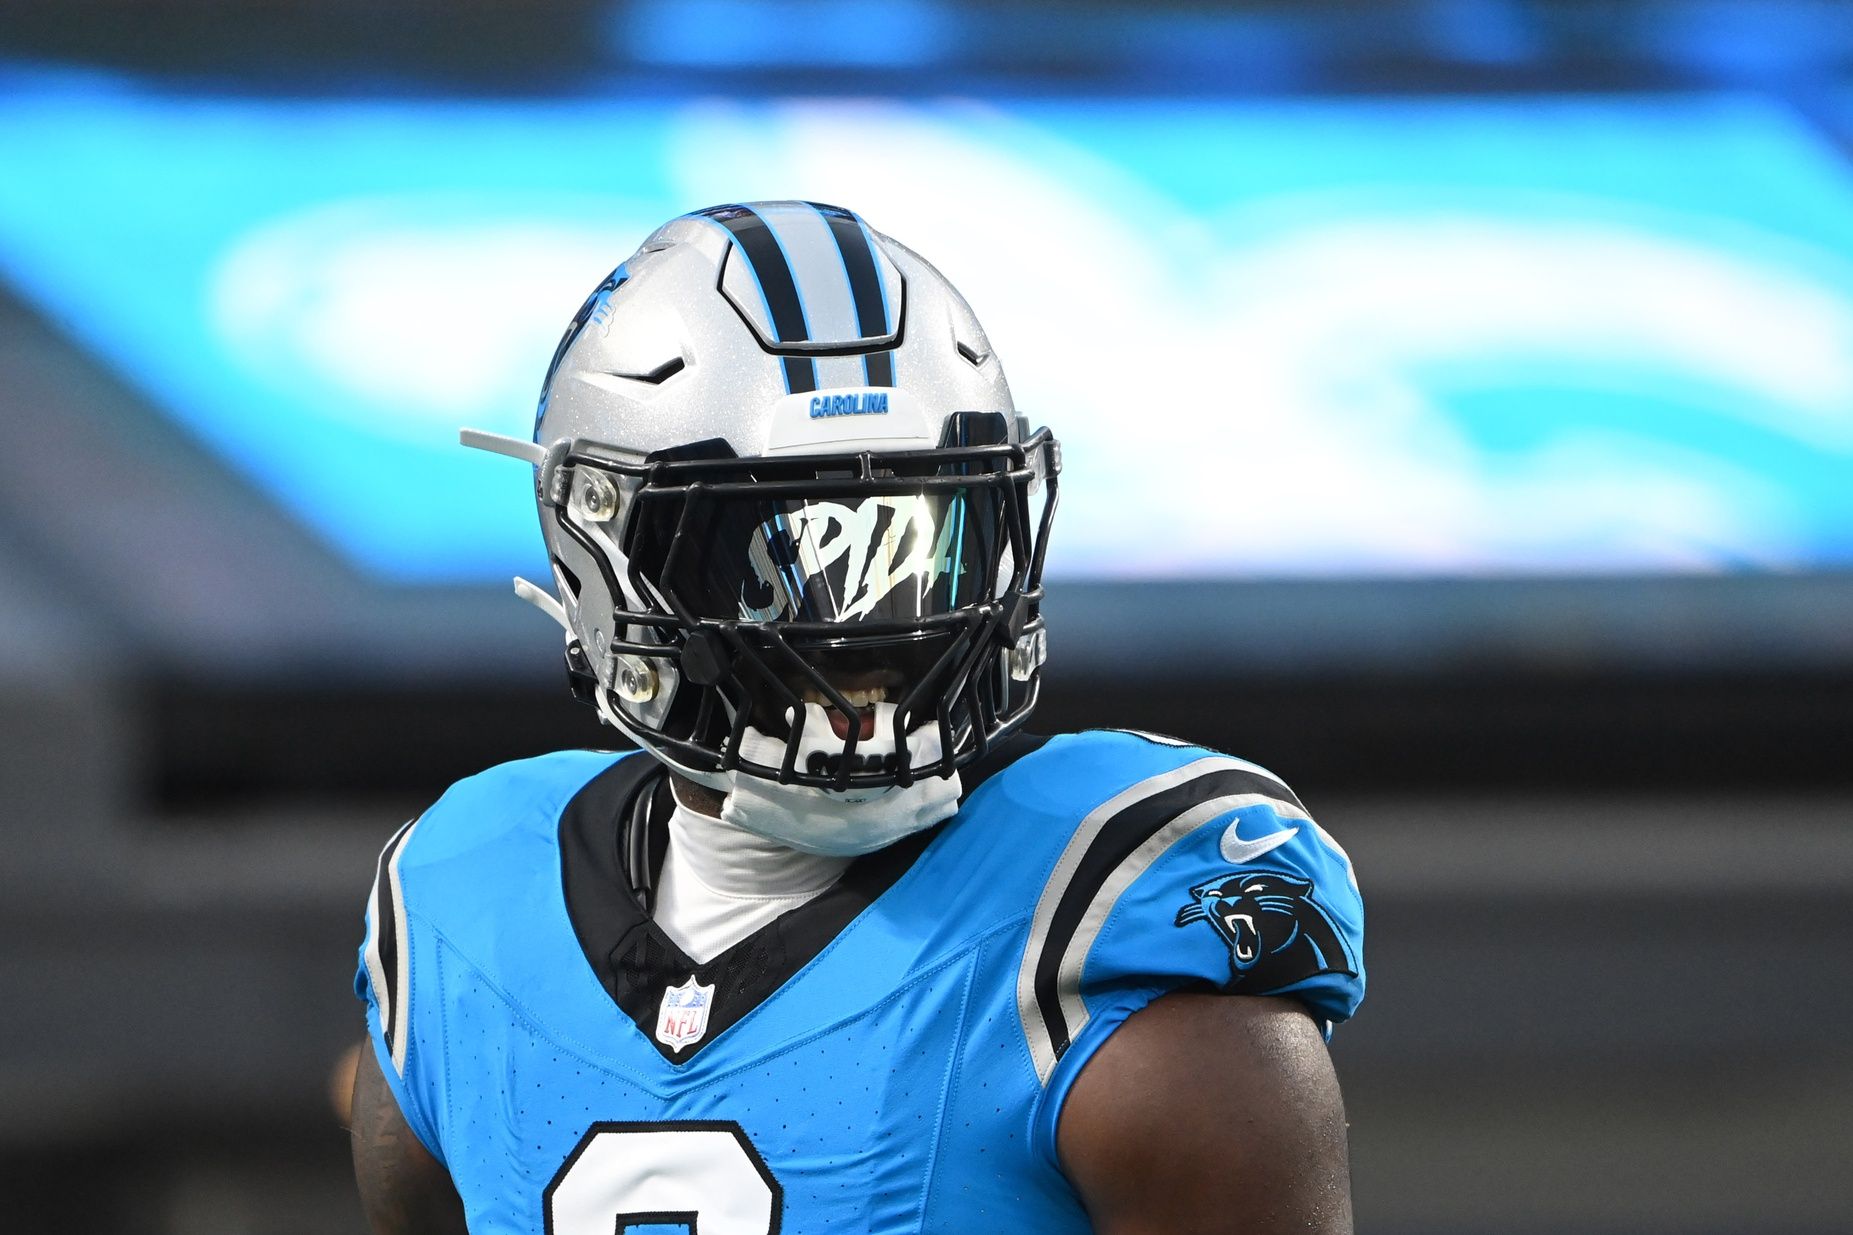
855, 558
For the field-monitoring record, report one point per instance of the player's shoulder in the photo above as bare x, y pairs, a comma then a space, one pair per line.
1041, 805
1078, 774
1165, 865
468, 878
508, 804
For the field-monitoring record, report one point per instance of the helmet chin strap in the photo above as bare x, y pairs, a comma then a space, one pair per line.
720, 782
849, 822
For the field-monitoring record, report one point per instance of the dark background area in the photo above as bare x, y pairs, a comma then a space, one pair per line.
1608, 896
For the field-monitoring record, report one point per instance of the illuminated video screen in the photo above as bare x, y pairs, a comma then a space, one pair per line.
1318, 339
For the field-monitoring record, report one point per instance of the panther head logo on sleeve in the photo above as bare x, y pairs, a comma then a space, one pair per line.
1275, 933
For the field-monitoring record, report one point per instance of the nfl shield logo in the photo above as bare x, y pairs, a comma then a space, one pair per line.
684, 1015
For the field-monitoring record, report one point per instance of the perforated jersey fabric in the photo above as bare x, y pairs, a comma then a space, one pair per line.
891, 1057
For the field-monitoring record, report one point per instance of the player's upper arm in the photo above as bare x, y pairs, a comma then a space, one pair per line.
403, 1189
1204, 1114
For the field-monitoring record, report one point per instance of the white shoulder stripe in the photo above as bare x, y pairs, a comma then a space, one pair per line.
387, 958
376, 964
402, 960
1163, 739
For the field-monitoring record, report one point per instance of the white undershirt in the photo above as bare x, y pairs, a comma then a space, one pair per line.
720, 883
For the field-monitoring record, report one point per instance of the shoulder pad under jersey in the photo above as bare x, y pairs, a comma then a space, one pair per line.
486, 840
1194, 870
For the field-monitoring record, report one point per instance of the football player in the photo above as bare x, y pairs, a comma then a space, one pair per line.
841, 948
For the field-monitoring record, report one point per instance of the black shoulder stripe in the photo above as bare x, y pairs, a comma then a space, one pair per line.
385, 963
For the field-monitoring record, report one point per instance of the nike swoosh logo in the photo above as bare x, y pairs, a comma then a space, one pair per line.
1239, 851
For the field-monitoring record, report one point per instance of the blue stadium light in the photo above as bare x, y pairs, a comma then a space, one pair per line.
1382, 337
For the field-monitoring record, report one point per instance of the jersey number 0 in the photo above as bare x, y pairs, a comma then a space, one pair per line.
701, 1174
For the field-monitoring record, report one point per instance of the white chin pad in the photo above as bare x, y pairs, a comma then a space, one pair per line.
846, 823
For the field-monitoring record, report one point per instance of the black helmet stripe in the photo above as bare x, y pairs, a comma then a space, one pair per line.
773, 273
852, 240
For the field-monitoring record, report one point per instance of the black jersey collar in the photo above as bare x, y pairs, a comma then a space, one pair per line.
613, 835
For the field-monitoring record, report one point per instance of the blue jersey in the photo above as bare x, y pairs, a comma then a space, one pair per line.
890, 1057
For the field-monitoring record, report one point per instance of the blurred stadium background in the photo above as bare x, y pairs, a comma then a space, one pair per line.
1458, 397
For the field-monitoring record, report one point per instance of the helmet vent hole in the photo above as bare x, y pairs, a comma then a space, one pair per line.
567, 577
972, 354
663, 372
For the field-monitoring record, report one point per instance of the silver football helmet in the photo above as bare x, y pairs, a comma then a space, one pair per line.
795, 523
